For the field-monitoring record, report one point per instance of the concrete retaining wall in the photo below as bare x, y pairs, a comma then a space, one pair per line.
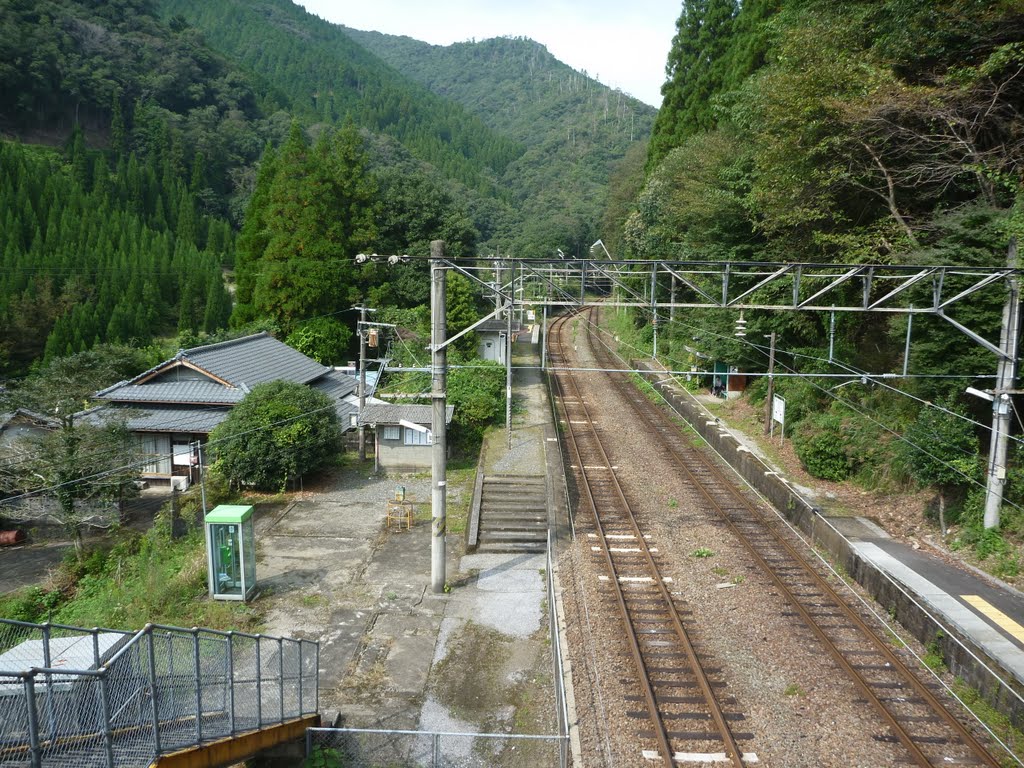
809, 519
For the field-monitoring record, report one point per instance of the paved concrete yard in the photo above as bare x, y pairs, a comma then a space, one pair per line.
394, 654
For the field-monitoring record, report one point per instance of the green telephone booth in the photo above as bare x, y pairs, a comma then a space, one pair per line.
231, 552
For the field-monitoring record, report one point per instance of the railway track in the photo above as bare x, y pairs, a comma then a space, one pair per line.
681, 696
912, 713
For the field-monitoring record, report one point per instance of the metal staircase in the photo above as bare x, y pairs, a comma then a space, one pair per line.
160, 696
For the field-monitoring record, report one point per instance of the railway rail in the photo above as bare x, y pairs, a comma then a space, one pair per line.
911, 710
669, 668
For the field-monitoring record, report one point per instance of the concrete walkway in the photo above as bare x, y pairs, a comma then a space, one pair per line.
394, 654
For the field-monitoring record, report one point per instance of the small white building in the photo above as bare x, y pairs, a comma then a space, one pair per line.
492, 333
403, 441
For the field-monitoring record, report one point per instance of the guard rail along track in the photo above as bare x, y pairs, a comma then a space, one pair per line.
911, 710
668, 668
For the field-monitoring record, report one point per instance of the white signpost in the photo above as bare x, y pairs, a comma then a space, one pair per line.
778, 415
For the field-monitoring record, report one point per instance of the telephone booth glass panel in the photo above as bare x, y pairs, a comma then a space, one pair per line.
231, 552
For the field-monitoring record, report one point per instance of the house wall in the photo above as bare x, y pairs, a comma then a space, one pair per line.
14, 432
395, 456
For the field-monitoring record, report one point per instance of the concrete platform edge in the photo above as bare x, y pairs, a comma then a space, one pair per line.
961, 654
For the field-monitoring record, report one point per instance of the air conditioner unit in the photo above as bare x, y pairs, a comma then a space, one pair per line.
179, 483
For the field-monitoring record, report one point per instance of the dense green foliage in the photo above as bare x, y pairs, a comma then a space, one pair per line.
574, 130
97, 254
864, 132
329, 79
311, 213
278, 433
131, 580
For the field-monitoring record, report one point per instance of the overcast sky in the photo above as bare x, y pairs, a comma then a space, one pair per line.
622, 43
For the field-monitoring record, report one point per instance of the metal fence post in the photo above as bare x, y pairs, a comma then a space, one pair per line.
170, 673
436, 757
316, 681
280, 676
259, 686
309, 742
108, 738
302, 709
51, 716
33, 721
153, 691
231, 682
199, 686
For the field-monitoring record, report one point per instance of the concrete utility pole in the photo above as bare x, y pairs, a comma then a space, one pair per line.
362, 382
508, 373
1001, 404
438, 402
771, 384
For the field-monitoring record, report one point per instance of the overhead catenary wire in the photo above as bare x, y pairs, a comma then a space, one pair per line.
970, 480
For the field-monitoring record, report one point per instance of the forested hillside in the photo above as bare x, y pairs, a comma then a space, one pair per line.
864, 132
120, 232
329, 79
575, 130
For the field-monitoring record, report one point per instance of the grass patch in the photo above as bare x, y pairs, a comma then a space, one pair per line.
702, 552
997, 721
133, 579
933, 657
794, 689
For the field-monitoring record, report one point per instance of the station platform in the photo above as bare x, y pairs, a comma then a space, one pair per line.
974, 605
975, 621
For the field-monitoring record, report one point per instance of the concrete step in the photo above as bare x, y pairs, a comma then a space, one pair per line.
513, 508
510, 492
496, 536
512, 548
522, 480
515, 525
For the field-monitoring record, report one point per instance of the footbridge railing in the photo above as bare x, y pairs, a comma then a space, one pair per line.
102, 697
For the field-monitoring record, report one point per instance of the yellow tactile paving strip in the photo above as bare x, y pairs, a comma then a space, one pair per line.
993, 613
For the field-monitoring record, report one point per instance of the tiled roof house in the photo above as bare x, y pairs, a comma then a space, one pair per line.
176, 404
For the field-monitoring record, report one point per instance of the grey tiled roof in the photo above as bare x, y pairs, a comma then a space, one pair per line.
38, 418
165, 418
392, 413
190, 392
253, 360
243, 363
336, 384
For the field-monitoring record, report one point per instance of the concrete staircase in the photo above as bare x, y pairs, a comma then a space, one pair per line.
513, 514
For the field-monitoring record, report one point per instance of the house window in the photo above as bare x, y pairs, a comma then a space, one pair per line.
390, 432
415, 437
156, 448
353, 420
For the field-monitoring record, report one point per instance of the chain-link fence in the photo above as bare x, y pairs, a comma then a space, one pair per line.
102, 697
372, 748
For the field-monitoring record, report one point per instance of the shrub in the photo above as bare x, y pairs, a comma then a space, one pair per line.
280, 431
821, 445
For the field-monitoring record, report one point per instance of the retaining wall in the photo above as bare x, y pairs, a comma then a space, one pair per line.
810, 520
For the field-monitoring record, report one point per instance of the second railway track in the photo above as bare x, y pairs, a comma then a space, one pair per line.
677, 681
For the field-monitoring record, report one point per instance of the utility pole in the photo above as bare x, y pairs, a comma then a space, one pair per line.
1001, 405
362, 382
771, 384
508, 373
438, 402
